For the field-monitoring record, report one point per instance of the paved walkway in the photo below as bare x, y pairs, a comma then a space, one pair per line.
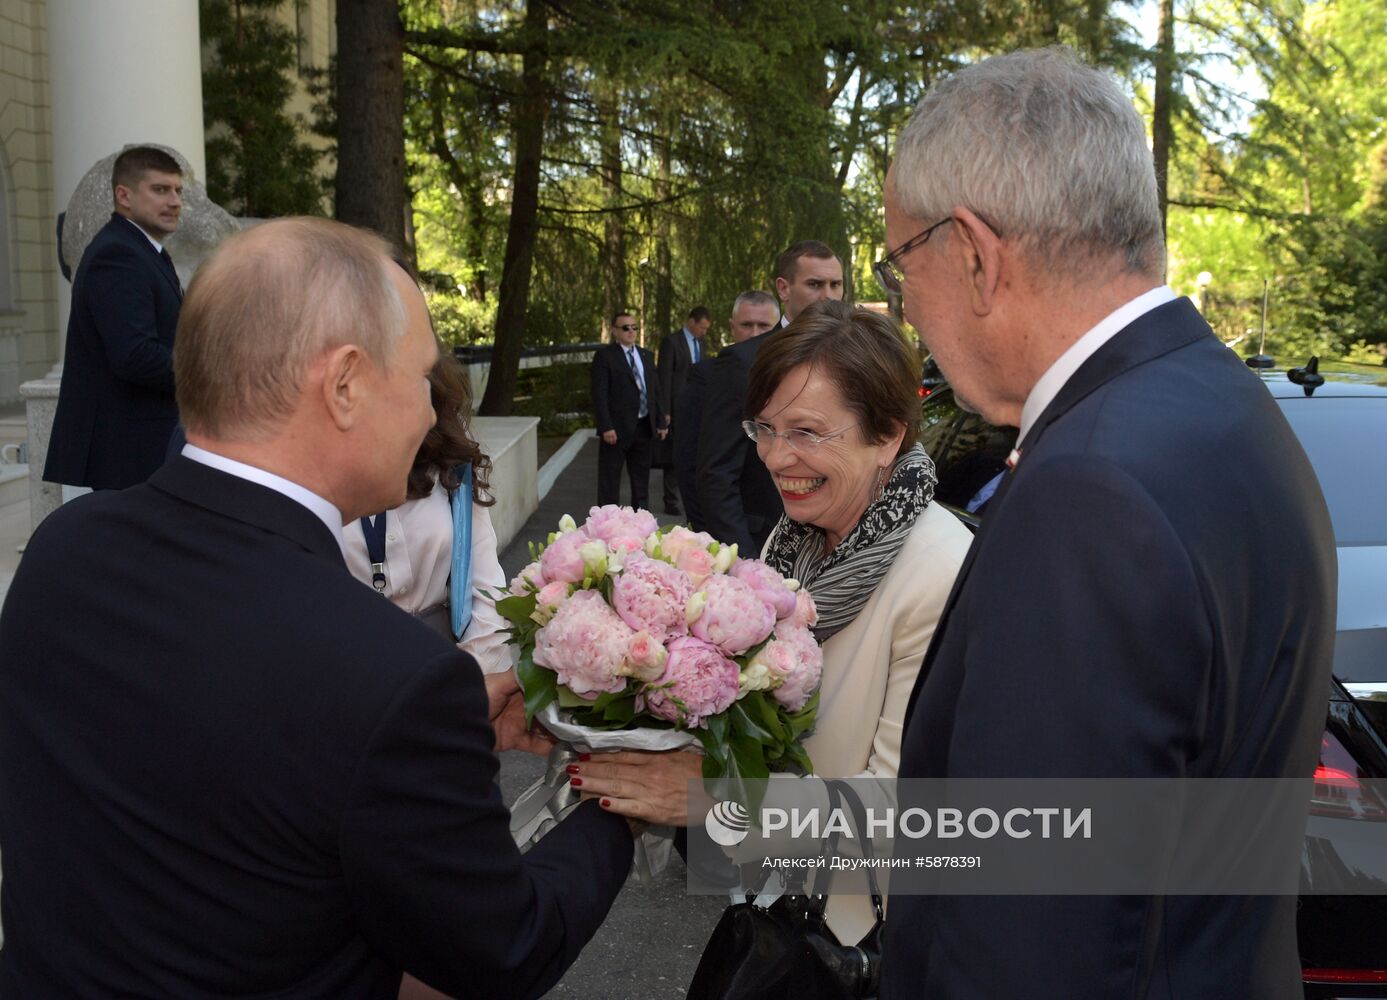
652, 939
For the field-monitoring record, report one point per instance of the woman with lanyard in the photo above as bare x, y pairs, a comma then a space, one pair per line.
435, 555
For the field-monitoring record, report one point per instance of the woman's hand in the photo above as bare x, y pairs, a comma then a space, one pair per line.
653, 787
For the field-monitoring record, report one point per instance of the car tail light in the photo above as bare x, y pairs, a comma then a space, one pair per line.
1341, 788
1341, 977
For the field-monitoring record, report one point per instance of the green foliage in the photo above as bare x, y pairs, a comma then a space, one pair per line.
1291, 193
258, 164
686, 145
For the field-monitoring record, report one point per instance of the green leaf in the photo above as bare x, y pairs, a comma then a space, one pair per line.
567, 699
769, 714
517, 610
539, 684
744, 725
749, 758
715, 753
718, 726
802, 721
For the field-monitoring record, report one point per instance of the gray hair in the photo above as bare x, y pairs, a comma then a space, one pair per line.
269, 302
755, 298
1046, 150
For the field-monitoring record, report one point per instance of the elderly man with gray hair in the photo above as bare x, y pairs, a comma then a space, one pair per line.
226, 767
1121, 613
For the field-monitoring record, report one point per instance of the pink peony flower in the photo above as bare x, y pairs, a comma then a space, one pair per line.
650, 596
645, 657
586, 644
796, 662
678, 540
734, 619
549, 599
528, 579
562, 560
697, 563
805, 615
620, 527
698, 682
768, 584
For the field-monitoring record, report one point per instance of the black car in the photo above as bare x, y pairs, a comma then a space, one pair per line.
1339, 413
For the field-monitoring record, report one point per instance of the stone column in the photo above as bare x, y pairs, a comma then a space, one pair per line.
120, 73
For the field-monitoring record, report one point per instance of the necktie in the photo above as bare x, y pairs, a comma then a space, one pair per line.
697, 351
640, 379
168, 261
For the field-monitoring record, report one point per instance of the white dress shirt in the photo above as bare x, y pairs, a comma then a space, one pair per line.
326, 511
158, 247
1045, 390
419, 560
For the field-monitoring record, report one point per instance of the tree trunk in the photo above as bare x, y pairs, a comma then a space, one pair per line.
513, 298
1162, 138
663, 320
614, 222
370, 184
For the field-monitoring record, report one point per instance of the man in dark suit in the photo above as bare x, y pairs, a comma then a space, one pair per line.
679, 352
753, 313
116, 407
630, 415
740, 502
226, 767
1120, 613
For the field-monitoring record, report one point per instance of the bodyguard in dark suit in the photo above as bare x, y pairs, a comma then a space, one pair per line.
739, 501
1120, 614
116, 405
227, 768
679, 352
753, 313
630, 415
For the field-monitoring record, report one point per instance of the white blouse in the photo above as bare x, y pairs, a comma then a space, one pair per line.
418, 561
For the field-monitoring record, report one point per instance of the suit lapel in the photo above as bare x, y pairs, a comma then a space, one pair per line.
247, 502
135, 236
1162, 330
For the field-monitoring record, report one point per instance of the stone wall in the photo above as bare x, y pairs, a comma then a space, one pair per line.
28, 254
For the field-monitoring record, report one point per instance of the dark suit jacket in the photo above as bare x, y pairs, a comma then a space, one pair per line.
739, 499
675, 362
115, 406
674, 366
1151, 595
688, 417
227, 767
615, 395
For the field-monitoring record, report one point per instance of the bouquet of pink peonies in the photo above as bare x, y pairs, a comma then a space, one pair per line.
624, 628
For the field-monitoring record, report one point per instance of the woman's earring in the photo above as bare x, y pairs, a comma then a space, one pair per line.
882, 477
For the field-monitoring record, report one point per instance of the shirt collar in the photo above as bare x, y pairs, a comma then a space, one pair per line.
1064, 367
158, 247
326, 511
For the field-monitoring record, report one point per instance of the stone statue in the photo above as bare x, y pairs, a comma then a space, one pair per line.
202, 225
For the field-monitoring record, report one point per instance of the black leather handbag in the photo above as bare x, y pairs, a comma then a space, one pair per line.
785, 949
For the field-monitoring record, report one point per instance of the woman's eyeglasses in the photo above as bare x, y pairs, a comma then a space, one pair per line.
801, 441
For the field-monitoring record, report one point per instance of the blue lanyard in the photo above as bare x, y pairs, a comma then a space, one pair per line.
374, 530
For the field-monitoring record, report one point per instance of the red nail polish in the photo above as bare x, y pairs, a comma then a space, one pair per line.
576, 782
585, 756
571, 769
606, 803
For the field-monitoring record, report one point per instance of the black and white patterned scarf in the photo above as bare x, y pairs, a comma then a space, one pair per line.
845, 578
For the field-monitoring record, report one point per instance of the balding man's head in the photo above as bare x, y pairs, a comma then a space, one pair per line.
270, 301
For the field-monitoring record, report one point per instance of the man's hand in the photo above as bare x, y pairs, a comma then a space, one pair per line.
663, 432
609, 437
506, 710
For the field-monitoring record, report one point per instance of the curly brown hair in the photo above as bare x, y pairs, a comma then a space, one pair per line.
449, 442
